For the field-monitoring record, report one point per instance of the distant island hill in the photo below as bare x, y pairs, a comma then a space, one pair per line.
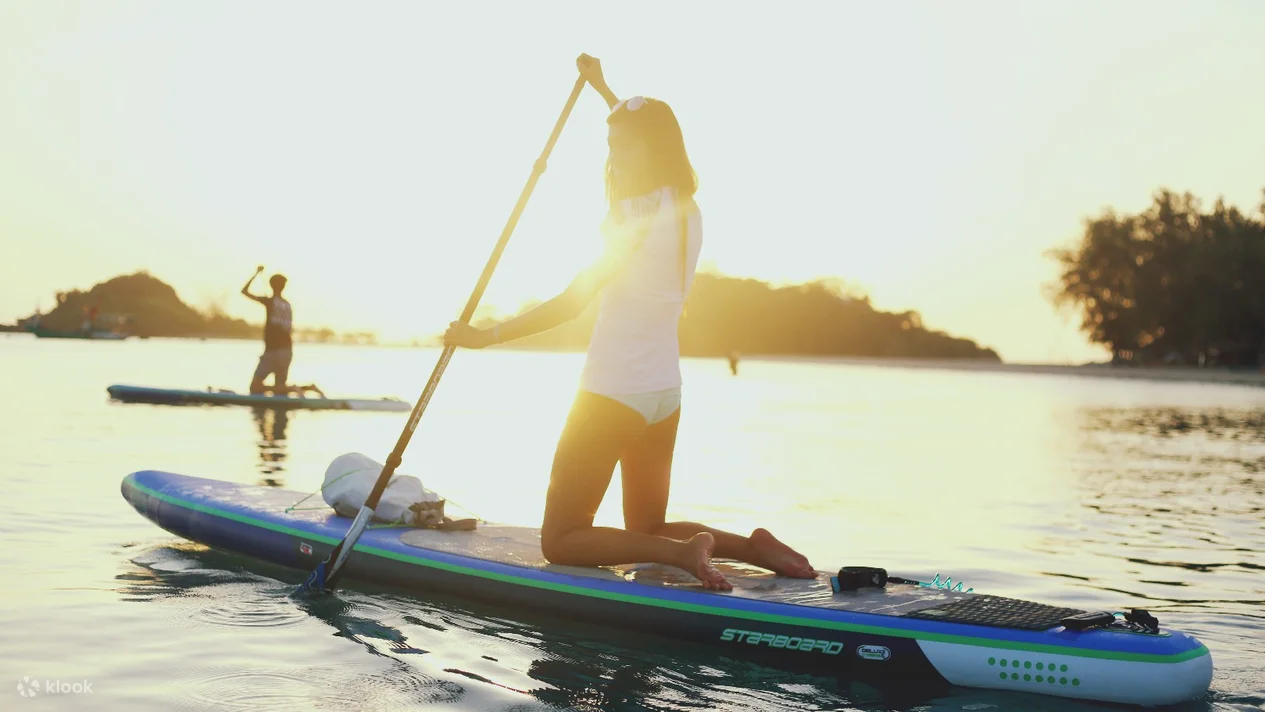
142, 305
723, 316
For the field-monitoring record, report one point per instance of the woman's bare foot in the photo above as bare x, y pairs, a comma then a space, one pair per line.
698, 561
778, 557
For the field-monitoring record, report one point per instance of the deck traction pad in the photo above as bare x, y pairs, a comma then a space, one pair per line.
998, 612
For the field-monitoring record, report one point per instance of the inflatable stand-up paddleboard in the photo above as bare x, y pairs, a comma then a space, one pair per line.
167, 396
898, 632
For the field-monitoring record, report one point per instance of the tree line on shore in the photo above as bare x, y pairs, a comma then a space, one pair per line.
1175, 283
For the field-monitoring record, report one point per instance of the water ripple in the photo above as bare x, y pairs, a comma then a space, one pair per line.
243, 689
250, 610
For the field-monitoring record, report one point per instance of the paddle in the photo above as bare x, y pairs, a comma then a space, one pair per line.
325, 575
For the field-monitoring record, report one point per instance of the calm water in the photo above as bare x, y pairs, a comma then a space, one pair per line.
1094, 493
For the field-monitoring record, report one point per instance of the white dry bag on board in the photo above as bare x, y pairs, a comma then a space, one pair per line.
350, 478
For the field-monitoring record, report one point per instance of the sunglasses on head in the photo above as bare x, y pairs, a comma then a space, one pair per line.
631, 104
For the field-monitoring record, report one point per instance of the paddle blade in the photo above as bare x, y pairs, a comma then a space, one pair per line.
315, 582
325, 575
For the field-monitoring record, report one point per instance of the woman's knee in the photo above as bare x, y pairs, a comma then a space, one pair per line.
553, 547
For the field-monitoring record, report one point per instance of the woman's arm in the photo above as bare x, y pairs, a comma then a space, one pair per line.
591, 69
543, 317
554, 313
608, 95
549, 315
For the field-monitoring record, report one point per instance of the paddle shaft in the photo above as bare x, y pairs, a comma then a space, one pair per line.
339, 555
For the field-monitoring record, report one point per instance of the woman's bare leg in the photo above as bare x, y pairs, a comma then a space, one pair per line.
646, 471
597, 431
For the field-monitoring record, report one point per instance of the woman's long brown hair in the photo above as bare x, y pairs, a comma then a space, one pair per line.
669, 165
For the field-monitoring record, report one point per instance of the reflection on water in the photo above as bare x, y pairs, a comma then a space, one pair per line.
272, 444
1214, 423
1174, 496
557, 664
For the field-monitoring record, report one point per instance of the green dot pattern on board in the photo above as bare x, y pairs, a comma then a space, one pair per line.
1027, 665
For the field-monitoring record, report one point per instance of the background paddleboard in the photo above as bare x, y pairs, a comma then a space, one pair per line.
167, 396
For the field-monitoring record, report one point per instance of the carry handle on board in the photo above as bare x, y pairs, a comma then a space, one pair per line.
1085, 621
1137, 619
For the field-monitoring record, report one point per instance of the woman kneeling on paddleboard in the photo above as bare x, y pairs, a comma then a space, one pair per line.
628, 406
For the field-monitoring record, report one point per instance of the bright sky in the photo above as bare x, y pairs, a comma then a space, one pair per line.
929, 152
